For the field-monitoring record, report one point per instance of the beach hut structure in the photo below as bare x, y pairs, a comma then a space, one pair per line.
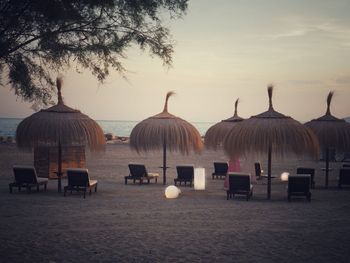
270, 133
46, 159
166, 132
215, 134
59, 136
333, 133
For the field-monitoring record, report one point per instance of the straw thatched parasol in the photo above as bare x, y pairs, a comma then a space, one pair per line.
216, 133
165, 131
332, 133
270, 132
59, 126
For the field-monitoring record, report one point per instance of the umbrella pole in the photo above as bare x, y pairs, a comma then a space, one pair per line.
269, 173
327, 167
164, 162
59, 170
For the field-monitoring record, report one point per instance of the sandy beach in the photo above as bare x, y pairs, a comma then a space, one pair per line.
133, 223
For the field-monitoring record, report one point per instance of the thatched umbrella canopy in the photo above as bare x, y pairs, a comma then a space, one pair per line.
270, 132
332, 133
216, 133
165, 131
59, 126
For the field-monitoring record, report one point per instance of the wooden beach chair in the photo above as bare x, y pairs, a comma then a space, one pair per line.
259, 173
299, 185
185, 174
239, 184
344, 177
220, 170
138, 172
258, 170
310, 171
25, 176
78, 180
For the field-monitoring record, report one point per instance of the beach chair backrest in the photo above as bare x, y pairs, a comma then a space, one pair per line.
220, 168
185, 172
257, 167
239, 181
344, 175
303, 170
299, 183
137, 170
78, 177
24, 174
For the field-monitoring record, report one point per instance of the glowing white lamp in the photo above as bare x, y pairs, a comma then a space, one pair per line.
172, 192
284, 176
199, 179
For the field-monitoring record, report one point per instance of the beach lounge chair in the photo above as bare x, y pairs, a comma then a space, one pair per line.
25, 176
299, 185
259, 172
344, 177
239, 184
220, 170
78, 180
310, 171
185, 173
139, 172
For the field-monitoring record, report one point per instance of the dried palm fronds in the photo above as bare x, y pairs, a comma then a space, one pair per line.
59, 126
59, 123
216, 133
165, 131
270, 132
332, 133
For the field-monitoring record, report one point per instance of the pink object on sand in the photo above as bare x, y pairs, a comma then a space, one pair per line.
233, 166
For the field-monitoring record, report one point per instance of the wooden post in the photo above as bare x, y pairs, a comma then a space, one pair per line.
59, 170
327, 166
164, 162
269, 173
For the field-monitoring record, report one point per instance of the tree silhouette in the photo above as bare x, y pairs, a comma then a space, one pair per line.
38, 38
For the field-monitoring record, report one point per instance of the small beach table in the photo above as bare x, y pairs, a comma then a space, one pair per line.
155, 176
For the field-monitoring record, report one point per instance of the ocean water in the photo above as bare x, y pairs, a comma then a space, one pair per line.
119, 128
8, 126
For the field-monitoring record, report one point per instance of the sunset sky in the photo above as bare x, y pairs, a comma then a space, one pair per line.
224, 50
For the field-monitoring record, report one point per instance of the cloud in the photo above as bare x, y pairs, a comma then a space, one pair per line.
296, 27
294, 33
305, 82
342, 80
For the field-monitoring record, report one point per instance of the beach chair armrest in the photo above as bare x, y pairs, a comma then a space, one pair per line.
42, 180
